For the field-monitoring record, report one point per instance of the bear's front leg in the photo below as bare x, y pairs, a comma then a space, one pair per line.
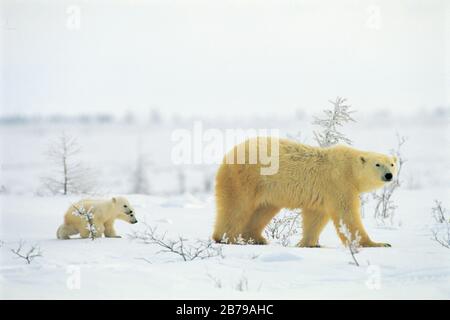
346, 216
110, 232
313, 222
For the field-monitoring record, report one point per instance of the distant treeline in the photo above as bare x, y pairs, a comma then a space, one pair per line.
154, 117
99, 118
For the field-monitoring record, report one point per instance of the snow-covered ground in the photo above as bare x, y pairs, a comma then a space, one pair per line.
415, 266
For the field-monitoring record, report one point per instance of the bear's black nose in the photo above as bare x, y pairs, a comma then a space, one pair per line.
388, 176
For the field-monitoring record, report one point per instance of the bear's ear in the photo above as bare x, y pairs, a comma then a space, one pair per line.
363, 160
114, 200
395, 159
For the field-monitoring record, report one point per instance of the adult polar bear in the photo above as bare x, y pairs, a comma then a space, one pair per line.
324, 182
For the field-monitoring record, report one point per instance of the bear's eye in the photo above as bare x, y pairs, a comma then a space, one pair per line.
392, 164
377, 164
125, 206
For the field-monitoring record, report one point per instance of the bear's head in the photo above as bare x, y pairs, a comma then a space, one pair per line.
374, 170
124, 210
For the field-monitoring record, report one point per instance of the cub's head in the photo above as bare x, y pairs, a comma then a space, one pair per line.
124, 209
375, 170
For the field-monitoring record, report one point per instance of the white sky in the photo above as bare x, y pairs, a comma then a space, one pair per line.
223, 57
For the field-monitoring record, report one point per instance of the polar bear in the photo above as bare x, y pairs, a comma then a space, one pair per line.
96, 217
325, 183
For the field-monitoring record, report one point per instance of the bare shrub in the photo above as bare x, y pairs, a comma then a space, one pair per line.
283, 227
384, 205
88, 215
29, 254
208, 184
181, 178
217, 282
438, 211
353, 244
239, 240
200, 249
442, 235
140, 181
242, 284
334, 118
441, 230
69, 174
364, 199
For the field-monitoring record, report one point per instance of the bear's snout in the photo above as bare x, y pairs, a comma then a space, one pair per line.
388, 176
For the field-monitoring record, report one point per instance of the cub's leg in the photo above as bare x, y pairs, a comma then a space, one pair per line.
85, 233
110, 232
313, 223
347, 213
65, 231
259, 219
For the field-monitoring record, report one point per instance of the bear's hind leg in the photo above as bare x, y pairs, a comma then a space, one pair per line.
229, 225
260, 218
235, 203
233, 214
313, 223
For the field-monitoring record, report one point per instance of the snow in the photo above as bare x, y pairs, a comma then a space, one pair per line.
414, 267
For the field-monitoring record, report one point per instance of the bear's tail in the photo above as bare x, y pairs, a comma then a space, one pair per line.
65, 231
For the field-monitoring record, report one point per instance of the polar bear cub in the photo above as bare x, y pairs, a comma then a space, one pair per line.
90, 217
